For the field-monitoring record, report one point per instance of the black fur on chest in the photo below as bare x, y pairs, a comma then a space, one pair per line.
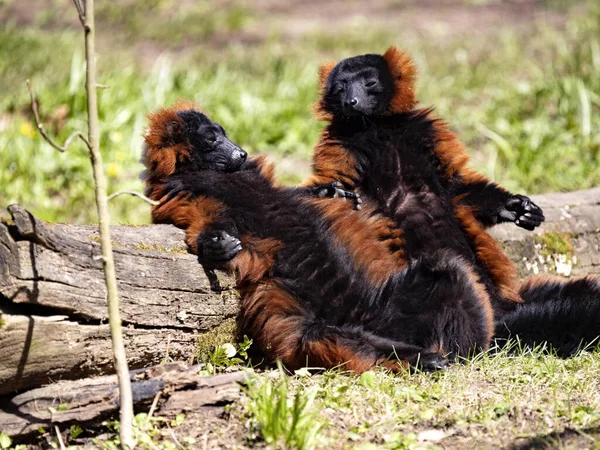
400, 171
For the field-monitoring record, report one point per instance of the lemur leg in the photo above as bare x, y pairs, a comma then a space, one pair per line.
441, 303
288, 332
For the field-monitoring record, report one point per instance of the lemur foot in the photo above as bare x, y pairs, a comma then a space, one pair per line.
523, 212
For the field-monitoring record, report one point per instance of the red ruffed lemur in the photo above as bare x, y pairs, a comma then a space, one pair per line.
407, 163
320, 284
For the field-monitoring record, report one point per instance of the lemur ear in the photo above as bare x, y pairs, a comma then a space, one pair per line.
324, 72
404, 72
175, 130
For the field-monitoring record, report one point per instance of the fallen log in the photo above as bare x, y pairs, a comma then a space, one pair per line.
567, 243
53, 310
53, 313
91, 400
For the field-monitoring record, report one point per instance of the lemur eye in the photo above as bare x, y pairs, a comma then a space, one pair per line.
370, 83
211, 139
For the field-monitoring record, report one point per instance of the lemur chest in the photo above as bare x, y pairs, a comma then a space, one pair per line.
408, 188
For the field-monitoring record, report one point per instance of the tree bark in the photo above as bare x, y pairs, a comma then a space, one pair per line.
53, 322
92, 399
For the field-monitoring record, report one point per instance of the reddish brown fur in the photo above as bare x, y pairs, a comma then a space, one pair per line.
192, 215
266, 168
488, 252
318, 108
485, 302
356, 231
163, 147
332, 162
256, 258
276, 319
404, 72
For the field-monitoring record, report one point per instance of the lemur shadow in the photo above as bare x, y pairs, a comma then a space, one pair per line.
585, 438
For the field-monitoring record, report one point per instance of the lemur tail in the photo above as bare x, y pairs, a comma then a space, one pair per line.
562, 313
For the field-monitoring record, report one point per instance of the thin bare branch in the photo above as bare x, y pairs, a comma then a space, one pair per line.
80, 11
137, 194
40, 126
60, 438
153, 406
102, 86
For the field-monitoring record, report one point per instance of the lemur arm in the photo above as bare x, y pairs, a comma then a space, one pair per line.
490, 202
217, 243
493, 204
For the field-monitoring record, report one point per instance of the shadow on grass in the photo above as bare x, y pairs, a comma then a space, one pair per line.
569, 438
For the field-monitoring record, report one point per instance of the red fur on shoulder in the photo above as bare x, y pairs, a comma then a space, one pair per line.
404, 72
193, 215
453, 155
332, 162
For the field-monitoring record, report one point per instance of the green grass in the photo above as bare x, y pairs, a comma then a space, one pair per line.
509, 398
526, 103
283, 419
490, 401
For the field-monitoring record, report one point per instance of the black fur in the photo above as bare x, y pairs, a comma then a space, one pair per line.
399, 169
432, 304
563, 314
359, 86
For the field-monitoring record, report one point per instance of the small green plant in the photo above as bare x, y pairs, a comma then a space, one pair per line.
226, 355
5, 440
75, 431
149, 432
284, 419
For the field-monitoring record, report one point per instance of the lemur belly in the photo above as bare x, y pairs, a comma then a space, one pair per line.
428, 227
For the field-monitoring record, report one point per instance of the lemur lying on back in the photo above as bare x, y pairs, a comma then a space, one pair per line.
319, 284
414, 170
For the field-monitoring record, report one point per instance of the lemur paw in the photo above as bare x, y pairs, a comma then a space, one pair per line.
217, 248
523, 212
335, 190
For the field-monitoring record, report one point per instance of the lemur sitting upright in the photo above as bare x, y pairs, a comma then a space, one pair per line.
318, 282
414, 170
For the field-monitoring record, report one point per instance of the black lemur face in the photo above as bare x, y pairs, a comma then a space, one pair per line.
362, 85
212, 149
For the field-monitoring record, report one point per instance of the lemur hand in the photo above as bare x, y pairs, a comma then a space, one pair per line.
217, 248
523, 212
336, 189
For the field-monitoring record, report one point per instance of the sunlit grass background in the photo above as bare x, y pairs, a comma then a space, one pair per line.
524, 97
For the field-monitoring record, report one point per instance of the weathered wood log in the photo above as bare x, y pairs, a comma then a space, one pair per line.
567, 243
91, 400
54, 312
53, 322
